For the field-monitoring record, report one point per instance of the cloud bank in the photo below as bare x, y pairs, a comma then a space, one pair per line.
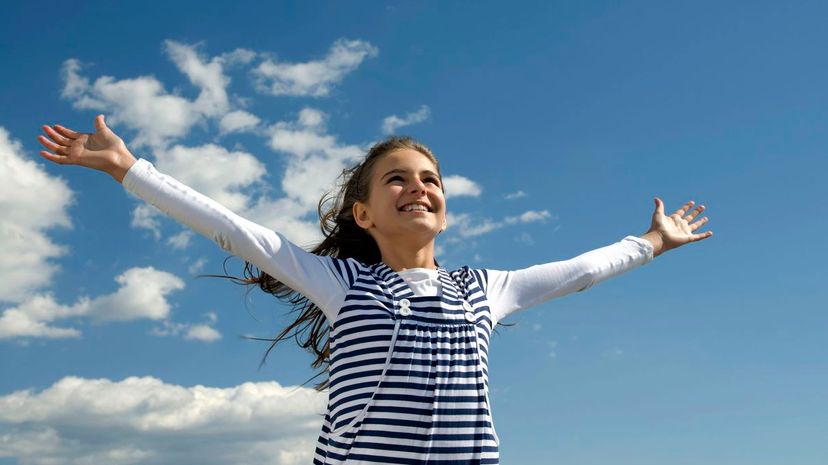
32, 202
79, 421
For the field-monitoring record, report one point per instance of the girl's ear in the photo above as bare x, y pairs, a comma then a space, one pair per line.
363, 220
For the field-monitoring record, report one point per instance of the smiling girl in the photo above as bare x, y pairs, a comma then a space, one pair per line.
404, 341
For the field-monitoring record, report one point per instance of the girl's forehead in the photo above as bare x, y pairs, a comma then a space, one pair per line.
404, 159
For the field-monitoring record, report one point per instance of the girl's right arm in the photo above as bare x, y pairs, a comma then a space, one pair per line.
312, 275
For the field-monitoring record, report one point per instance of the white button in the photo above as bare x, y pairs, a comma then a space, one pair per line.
405, 311
467, 306
405, 302
470, 317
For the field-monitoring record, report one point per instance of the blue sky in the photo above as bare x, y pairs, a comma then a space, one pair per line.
582, 112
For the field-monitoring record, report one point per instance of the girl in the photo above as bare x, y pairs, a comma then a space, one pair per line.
407, 341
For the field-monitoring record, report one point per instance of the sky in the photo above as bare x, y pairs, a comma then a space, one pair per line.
555, 123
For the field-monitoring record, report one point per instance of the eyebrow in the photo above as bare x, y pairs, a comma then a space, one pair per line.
398, 170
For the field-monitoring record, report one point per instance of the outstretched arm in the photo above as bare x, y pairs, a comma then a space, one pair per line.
512, 291
313, 276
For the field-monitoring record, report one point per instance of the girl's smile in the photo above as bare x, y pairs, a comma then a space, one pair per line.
406, 206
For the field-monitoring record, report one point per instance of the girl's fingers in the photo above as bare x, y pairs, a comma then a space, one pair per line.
51, 145
695, 213
66, 132
698, 224
57, 137
53, 157
701, 236
681, 211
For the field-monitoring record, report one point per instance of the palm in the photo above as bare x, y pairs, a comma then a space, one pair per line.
678, 229
98, 150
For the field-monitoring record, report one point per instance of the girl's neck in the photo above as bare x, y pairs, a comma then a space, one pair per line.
399, 259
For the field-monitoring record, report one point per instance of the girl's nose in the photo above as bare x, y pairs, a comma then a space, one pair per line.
417, 186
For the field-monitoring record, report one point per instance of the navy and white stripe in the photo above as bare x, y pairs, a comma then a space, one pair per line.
409, 374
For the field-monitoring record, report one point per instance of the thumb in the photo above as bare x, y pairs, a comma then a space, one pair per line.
659, 206
100, 125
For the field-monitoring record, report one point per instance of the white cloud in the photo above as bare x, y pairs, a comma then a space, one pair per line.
238, 121
207, 75
142, 294
214, 171
312, 78
391, 123
160, 117
466, 225
32, 202
529, 216
180, 240
312, 118
515, 195
315, 161
196, 266
203, 332
148, 217
145, 421
141, 104
459, 186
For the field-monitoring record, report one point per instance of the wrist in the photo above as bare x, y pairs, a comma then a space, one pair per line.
656, 240
123, 162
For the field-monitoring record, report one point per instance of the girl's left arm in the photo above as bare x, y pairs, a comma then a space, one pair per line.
511, 291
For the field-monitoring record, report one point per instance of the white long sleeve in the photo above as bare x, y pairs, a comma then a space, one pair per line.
512, 291
310, 274
314, 276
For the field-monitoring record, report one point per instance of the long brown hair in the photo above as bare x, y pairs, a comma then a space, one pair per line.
343, 239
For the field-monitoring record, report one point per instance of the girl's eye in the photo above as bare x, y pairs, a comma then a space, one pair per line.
432, 180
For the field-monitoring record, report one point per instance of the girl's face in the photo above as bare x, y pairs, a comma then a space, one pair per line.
399, 180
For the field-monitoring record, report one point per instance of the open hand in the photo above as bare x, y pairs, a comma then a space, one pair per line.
677, 229
103, 150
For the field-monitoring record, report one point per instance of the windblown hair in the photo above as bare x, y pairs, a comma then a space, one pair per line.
344, 238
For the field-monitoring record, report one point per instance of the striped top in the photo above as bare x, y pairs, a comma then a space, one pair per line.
409, 374
409, 368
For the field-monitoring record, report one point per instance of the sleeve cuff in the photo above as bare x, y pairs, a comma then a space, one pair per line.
644, 245
139, 168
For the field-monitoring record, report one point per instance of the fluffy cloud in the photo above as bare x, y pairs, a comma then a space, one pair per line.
147, 217
159, 117
238, 121
315, 161
213, 171
140, 104
180, 240
391, 123
459, 186
142, 294
146, 421
32, 203
465, 225
203, 332
312, 78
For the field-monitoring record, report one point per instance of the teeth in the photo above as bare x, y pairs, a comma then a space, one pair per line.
412, 207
